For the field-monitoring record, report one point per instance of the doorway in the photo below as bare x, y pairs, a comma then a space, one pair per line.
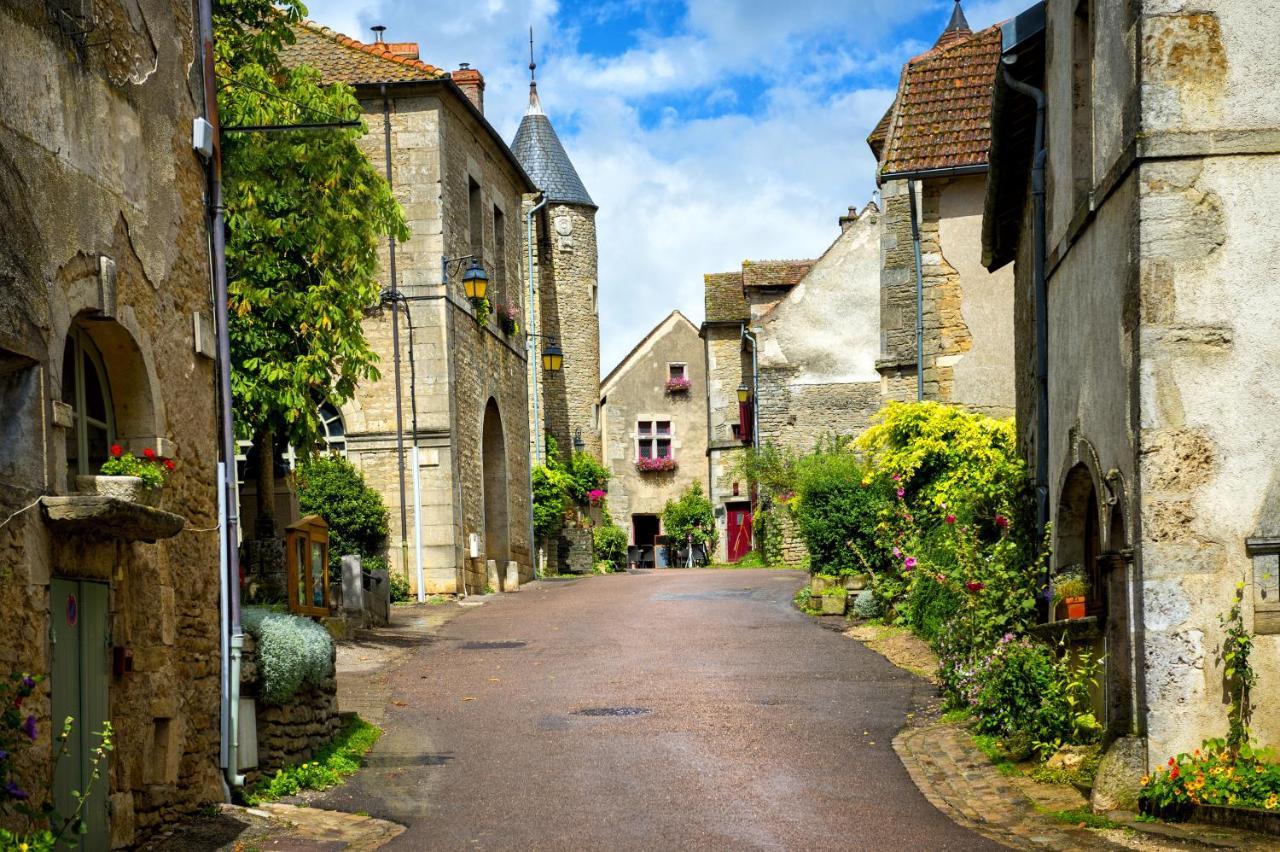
81, 639
738, 544
494, 450
646, 529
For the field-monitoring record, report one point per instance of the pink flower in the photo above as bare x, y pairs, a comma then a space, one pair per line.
896, 477
941, 578
595, 495
901, 493
909, 563
897, 553
950, 519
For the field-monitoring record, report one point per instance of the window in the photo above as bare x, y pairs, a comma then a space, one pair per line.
332, 432
500, 253
675, 371
475, 220
85, 389
653, 439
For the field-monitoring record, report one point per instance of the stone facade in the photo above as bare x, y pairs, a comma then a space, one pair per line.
968, 312
104, 258
465, 384
636, 391
1162, 452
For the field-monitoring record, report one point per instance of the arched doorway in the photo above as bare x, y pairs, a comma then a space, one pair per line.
494, 454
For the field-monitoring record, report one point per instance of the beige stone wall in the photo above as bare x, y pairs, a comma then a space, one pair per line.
96, 162
968, 312
637, 391
728, 365
568, 297
437, 150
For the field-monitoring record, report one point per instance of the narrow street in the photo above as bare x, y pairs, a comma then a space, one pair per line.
665, 710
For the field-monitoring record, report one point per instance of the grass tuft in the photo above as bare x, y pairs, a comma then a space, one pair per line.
334, 762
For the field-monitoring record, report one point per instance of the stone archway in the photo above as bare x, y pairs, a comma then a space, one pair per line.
494, 458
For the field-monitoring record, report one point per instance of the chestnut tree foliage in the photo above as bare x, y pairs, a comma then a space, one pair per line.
305, 213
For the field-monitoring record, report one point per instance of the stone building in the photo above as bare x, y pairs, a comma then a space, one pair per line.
931, 151
798, 340
653, 406
1153, 435
566, 284
463, 381
104, 319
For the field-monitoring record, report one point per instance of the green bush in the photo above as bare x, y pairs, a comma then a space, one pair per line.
691, 517
930, 606
331, 487
610, 544
550, 497
291, 652
838, 509
865, 604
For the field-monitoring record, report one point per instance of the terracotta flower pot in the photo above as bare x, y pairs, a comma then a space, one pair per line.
1075, 607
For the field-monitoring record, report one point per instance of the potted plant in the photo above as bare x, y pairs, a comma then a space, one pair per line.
650, 465
834, 600
508, 318
819, 583
678, 384
124, 476
856, 582
1069, 595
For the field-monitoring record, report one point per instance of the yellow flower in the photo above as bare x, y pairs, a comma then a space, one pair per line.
22, 847
1146, 779
1270, 802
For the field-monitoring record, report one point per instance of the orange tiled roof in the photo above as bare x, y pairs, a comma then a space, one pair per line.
342, 59
942, 116
774, 273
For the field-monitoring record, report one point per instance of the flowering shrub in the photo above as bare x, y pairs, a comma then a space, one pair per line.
291, 652
508, 318
648, 465
678, 384
595, 495
1214, 774
151, 469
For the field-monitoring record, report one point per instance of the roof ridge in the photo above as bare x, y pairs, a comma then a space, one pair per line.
383, 53
958, 39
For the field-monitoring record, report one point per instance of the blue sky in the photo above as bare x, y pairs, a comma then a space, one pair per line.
708, 131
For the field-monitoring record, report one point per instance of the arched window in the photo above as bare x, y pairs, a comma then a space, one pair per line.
335, 433
86, 390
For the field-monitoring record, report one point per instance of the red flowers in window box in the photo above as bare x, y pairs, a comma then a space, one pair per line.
650, 465
678, 384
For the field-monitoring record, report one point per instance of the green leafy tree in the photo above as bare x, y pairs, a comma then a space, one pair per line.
331, 487
691, 518
306, 211
837, 512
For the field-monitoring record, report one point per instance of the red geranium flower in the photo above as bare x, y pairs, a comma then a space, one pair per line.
974, 586
149, 453
117, 450
168, 464
1002, 522
951, 519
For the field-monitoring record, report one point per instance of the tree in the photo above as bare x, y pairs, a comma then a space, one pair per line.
691, 518
331, 487
306, 211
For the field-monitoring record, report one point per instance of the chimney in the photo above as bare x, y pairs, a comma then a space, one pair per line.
471, 82
846, 221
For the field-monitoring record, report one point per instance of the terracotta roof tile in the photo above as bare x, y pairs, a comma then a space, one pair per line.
723, 296
774, 273
342, 59
942, 116
879, 132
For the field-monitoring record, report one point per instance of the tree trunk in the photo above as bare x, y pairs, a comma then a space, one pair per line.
264, 524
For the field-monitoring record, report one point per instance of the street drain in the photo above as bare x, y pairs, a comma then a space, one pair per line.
613, 711
491, 646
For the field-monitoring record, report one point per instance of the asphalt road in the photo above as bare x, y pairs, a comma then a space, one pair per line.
743, 725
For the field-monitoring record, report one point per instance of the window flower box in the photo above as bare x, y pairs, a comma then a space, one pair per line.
655, 465
678, 384
131, 489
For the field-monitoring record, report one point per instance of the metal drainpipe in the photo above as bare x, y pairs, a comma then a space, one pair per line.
1041, 299
755, 389
395, 344
915, 247
531, 319
417, 468
230, 579
706, 364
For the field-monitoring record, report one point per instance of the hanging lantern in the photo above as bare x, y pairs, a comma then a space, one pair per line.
552, 357
475, 281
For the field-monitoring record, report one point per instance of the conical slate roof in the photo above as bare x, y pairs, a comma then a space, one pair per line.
539, 151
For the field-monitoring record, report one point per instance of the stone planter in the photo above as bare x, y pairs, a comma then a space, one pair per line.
131, 489
834, 604
856, 582
819, 584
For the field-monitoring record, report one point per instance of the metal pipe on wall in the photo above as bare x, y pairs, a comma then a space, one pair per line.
915, 248
395, 342
531, 318
229, 519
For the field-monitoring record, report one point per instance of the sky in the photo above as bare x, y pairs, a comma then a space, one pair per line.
708, 131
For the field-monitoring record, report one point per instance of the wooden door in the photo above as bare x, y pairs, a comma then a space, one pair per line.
81, 641
739, 530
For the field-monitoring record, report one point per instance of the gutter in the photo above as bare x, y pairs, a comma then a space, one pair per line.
229, 576
919, 263
926, 174
531, 319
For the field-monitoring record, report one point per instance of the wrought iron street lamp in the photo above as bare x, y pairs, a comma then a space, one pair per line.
744, 393
552, 356
475, 281
578, 444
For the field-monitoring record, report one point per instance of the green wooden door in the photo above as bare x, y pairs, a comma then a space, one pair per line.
81, 639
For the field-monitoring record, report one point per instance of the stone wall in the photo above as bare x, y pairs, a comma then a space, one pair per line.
968, 312
293, 732
636, 391
567, 293
103, 206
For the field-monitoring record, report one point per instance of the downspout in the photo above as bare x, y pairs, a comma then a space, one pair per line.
531, 318
395, 344
706, 365
229, 550
1041, 301
417, 468
915, 248
755, 388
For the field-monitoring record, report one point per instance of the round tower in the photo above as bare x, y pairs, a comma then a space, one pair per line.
565, 284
